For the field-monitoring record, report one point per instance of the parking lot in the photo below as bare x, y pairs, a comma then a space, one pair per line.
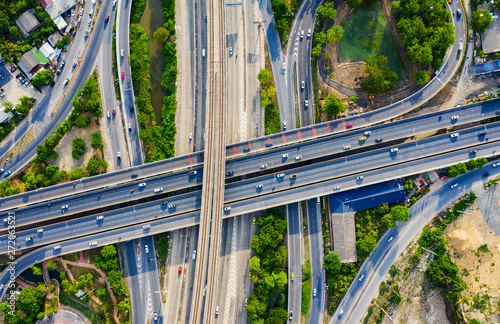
12, 88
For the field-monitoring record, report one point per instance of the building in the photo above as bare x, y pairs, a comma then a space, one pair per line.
54, 38
491, 37
4, 117
48, 51
32, 61
55, 8
27, 22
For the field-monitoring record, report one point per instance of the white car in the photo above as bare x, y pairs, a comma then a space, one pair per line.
394, 150
359, 178
64, 207
129, 127
281, 175
40, 230
118, 155
146, 247
231, 50
314, 292
309, 33
495, 164
454, 185
263, 166
454, 117
303, 84
258, 186
390, 239
228, 208
336, 188
155, 316
346, 147
454, 135
101, 217
306, 103
142, 184
146, 226
301, 34
93, 243
121, 52
298, 157
361, 277
285, 155
367, 133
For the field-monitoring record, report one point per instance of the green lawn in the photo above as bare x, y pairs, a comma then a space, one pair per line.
367, 33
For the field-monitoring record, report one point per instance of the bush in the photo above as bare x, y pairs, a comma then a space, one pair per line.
96, 141
480, 20
42, 78
79, 148
96, 166
82, 122
333, 105
422, 77
380, 78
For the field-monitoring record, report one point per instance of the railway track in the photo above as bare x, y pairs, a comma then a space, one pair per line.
203, 306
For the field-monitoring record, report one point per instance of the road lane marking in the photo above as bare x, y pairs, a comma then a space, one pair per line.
235, 151
329, 128
299, 135
190, 159
231, 282
284, 138
314, 131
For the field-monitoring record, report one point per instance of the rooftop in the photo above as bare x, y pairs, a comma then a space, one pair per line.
27, 22
491, 37
56, 7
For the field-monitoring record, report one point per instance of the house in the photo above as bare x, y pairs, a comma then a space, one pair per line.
491, 36
54, 38
5, 117
32, 61
48, 51
55, 8
27, 22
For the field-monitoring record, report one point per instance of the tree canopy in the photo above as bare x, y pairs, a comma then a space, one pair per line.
79, 148
333, 105
480, 20
380, 77
42, 78
326, 11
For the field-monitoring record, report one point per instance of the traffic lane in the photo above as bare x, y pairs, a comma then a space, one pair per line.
152, 281
380, 261
355, 164
133, 262
316, 249
487, 109
104, 197
79, 244
295, 260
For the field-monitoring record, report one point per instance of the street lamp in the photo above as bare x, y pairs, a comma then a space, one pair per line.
431, 8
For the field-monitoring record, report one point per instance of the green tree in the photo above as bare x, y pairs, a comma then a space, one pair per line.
264, 76
420, 54
480, 20
320, 38
51, 265
63, 41
422, 77
96, 141
79, 148
326, 11
96, 166
42, 78
365, 246
333, 105
380, 78
388, 221
14, 31
332, 264
280, 8
8, 107
161, 35
282, 27
335, 34
277, 316
124, 306
36, 270
400, 213
102, 294
82, 122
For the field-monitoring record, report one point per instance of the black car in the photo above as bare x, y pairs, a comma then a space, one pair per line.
472, 151
229, 173
132, 108
52, 83
19, 75
486, 174
482, 133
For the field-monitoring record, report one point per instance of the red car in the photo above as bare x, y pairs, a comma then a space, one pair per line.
348, 126
106, 18
180, 270
123, 77
114, 111
12, 69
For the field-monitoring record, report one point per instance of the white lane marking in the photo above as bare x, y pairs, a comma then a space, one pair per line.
231, 282
243, 121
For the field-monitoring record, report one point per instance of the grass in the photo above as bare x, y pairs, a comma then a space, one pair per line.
306, 288
367, 34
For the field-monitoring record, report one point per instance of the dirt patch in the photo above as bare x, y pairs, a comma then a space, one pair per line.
20, 145
64, 160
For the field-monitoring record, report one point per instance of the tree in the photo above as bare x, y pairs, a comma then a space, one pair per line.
96, 141
79, 148
282, 27
82, 122
124, 305
8, 106
333, 105
14, 31
422, 77
365, 246
96, 166
63, 41
161, 36
388, 221
420, 54
107, 260
380, 78
264, 77
326, 11
332, 264
277, 316
496, 4
42, 78
51, 265
280, 8
334, 34
102, 294
480, 20
400, 213
24, 107
36, 270
457, 169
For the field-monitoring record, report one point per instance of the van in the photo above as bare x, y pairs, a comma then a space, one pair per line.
217, 311
158, 189
194, 254
461, 46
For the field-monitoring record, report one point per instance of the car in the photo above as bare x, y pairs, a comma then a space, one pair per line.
40, 230
495, 164
263, 166
303, 85
348, 126
459, 12
101, 217
180, 270
309, 33
156, 190
460, 46
114, 3
228, 208
258, 186
346, 147
121, 52
142, 184
449, 1
52, 83
367, 133
73, 66
454, 135
19, 75
298, 157
393, 150
336, 188
291, 315
247, 149
340, 313
146, 247
129, 127
172, 206
284, 156
301, 34
293, 176
281, 175
109, 114
497, 112
118, 155
106, 18
269, 144
6, 174
123, 75
131, 108
29, 238
1, 171
164, 202
114, 111
155, 316
292, 276
390, 239
57, 247
229, 173
1, 76
472, 151
91, 12
361, 277
246, 301
362, 138
13, 69
192, 173
359, 178
147, 226
314, 292
454, 185
378, 140
194, 254
284, 125
93, 243
64, 207
306, 103
486, 174
454, 117
253, 220
482, 133
230, 51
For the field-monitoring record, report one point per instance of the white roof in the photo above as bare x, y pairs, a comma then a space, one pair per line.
59, 21
4, 116
57, 7
48, 51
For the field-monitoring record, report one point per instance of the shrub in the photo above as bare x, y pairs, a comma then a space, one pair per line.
79, 148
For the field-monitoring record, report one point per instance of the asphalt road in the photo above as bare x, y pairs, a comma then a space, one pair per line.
294, 247
238, 193
41, 115
308, 149
375, 268
316, 259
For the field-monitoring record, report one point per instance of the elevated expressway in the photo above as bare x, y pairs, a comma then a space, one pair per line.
246, 195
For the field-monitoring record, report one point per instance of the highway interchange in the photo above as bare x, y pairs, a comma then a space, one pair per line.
274, 192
